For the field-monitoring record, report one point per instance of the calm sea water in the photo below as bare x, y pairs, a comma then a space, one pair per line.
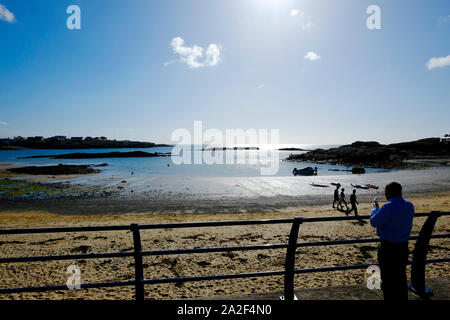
163, 166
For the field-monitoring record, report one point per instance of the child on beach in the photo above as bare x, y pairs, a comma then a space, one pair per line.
342, 201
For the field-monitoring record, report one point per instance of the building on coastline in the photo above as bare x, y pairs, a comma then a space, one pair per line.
5, 142
35, 139
58, 138
94, 139
77, 139
445, 139
18, 139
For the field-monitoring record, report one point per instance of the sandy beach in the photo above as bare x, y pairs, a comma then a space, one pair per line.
40, 273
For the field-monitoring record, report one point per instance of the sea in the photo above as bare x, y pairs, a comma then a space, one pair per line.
236, 163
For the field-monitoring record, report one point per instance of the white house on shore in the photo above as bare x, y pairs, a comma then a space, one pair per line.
446, 138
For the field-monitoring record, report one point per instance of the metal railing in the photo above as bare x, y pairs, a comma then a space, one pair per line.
418, 263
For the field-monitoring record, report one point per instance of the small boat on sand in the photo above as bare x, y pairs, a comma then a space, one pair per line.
359, 186
372, 186
319, 185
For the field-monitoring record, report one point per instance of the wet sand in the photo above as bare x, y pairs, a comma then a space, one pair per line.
212, 195
40, 273
36, 178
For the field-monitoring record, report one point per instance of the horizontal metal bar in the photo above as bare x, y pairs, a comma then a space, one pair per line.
333, 268
269, 246
67, 257
196, 250
336, 242
216, 277
272, 273
192, 224
215, 249
359, 266
362, 217
214, 224
429, 261
445, 235
64, 229
145, 227
64, 287
357, 241
201, 278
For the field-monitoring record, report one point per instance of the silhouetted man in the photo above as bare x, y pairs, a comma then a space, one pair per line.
353, 202
393, 222
336, 195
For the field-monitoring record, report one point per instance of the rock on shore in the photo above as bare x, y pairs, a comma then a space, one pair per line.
375, 155
60, 169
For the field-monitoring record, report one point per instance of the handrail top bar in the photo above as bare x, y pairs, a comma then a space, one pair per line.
65, 229
197, 224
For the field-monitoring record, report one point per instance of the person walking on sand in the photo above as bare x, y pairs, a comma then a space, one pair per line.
342, 201
353, 202
394, 223
336, 195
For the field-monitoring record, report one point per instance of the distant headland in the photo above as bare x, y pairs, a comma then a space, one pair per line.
63, 142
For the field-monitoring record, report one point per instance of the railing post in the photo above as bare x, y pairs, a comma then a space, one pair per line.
290, 261
420, 255
138, 268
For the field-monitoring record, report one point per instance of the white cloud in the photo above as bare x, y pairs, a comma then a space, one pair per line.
3, 123
212, 55
312, 56
6, 15
307, 25
296, 12
169, 62
261, 86
444, 19
192, 56
438, 62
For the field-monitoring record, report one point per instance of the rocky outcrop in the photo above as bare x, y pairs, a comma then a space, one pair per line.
60, 169
375, 155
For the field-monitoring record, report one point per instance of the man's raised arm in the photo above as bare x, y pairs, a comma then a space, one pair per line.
380, 216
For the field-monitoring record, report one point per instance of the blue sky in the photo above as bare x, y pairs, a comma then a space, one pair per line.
309, 68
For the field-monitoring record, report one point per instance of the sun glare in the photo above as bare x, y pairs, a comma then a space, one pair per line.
287, 6
275, 3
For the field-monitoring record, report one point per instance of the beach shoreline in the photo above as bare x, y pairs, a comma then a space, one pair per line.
96, 195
